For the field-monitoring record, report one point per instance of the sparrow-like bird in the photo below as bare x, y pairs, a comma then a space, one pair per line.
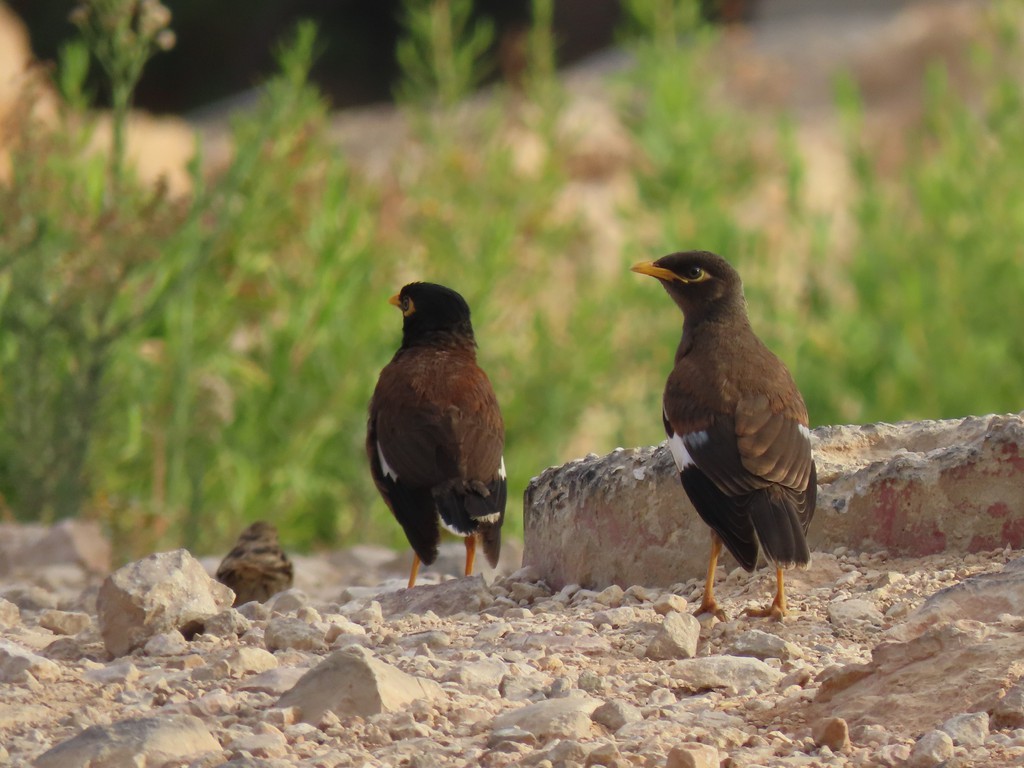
257, 567
737, 425
435, 435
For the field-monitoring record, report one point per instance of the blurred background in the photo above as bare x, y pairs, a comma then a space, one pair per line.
204, 207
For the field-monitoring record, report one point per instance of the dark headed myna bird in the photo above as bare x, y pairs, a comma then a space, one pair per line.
257, 567
736, 424
435, 435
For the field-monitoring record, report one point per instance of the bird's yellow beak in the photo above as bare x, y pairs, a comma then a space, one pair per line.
407, 307
652, 269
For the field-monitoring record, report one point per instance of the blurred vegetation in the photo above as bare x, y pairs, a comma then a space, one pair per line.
178, 367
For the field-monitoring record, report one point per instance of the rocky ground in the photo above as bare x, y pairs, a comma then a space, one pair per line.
882, 662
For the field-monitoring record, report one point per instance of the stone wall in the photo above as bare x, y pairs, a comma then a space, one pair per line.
912, 489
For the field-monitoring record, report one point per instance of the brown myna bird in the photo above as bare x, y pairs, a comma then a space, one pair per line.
257, 568
737, 425
435, 435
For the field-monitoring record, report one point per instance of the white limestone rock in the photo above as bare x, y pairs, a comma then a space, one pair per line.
563, 718
16, 663
676, 639
932, 749
353, 681
763, 645
162, 592
152, 741
969, 729
728, 673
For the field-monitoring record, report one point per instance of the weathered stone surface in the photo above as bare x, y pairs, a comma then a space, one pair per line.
969, 729
623, 616
276, 681
16, 662
693, 756
730, 673
353, 682
64, 622
285, 632
171, 643
245, 661
469, 594
615, 714
932, 749
161, 592
479, 676
228, 623
913, 488
69, 542
959, 664
119, 673
981, 598
854, 612
669, 602
1007, 711
149, 741
833, 732
565, 718
29, 597
10, 614
287, 600
606, 754
676, 638
762, 645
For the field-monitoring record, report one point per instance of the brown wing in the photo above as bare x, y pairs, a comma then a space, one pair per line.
437, 419
744, 458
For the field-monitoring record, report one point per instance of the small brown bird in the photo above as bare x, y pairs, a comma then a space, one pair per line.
435, 435
257, 567
737, 426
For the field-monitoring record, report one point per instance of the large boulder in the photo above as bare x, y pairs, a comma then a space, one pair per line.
913, 488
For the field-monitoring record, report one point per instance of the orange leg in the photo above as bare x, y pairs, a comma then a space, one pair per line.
778, 607
470, 553
708, 604
415, 570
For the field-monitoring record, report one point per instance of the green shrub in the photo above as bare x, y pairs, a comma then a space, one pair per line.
178, 367
926, 321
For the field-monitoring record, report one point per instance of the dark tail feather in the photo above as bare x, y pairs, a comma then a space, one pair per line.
475, 508
490, 533
724, 515
465, 506
490, 537
775, 513
414, 509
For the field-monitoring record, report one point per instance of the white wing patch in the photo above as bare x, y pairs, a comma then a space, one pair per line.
384, 466
677, 444
501, 469
451, 530
805, 432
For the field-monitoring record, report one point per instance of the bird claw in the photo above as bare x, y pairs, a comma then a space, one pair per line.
711, 609
775, 611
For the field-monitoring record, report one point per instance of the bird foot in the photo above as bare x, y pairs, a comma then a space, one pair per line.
774, 611
710, 607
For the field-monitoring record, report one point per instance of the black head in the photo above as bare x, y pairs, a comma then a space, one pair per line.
700, 282
431, 311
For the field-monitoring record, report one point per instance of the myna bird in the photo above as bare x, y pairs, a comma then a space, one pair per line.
435, 435
257, 568
737, 425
